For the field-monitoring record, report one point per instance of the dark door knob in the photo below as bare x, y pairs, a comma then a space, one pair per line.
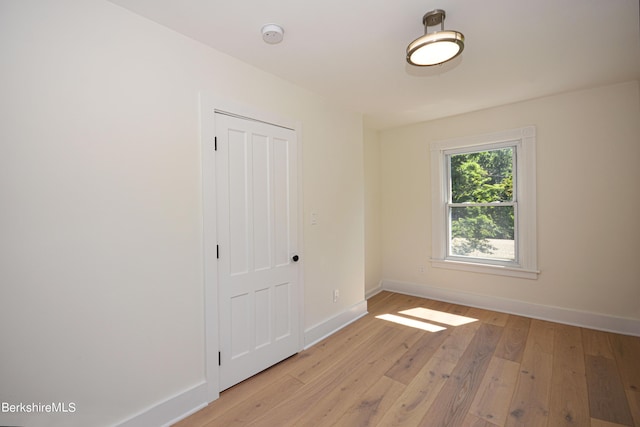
295, 258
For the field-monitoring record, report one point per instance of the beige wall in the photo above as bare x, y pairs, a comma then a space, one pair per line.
373, 227
588, 152
333, 188
101, 269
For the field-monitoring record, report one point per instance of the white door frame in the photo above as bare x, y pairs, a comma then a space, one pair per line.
208, 105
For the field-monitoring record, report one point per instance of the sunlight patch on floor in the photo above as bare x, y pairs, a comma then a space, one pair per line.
411, 322
438, 316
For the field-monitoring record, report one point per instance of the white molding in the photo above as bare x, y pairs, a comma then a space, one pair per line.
524, 139
328, 327
209, 220
485, 138
171, 410
499, 270
602, 322
250, 112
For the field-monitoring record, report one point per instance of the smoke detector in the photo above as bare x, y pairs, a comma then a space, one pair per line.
272, 33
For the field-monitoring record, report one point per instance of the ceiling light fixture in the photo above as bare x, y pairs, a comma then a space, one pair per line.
436, 47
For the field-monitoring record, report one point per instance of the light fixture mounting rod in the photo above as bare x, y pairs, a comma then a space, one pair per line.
434, 17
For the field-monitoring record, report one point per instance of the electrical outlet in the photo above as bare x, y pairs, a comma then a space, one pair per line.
421, 269
336, 295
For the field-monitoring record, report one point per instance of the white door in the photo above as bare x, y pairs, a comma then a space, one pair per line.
257, 246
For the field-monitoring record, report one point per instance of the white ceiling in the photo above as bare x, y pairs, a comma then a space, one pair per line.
353, 51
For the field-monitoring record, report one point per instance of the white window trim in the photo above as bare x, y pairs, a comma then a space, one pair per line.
526, 196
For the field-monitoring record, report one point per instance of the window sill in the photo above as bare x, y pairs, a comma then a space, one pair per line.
486, 268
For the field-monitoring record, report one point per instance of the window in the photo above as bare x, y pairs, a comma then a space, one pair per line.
481, 207
483, 203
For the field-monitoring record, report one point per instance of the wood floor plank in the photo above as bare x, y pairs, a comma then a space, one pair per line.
568, 351
406, 368
633, 397
600, 423
361, 377
530, 403
398, 302
369, 408
494, 395
394, 302
238, 394
488, 316
421, 392
452, 308
542, 335
457, 342
569, 399
514, 338
453, 402
626, 350
379, 299
251, 409
315, 397
419, 395
473, 421
596, 343
607, 398
292, 407
324, 356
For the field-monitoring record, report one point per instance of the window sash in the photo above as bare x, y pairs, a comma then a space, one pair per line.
483, 205
514, 145
449, 255
448, 154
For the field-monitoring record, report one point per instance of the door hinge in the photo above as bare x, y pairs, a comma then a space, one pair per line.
219, 359
217, 252
215, 143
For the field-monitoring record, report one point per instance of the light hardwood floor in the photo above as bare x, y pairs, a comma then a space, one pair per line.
499, 370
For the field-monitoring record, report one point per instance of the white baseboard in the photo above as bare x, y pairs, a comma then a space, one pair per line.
566, 316
324, 329
171, 410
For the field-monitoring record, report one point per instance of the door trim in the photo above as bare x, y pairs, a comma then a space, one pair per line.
238, 116
208, 106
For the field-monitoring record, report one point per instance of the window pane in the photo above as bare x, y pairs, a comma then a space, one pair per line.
482, 177
482, 232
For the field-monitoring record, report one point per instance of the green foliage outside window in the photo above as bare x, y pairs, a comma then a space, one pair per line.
477, 178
